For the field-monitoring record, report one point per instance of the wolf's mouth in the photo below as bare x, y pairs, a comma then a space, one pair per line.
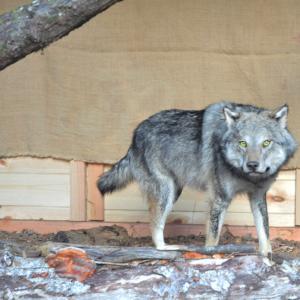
256, 174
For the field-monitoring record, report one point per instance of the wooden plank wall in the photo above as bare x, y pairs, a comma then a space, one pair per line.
49, 189
129, 206
34, 189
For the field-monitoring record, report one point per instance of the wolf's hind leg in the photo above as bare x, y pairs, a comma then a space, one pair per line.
159, 216
260, 212
215, 220
160, 207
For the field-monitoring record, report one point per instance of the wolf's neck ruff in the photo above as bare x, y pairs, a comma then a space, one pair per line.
227, 148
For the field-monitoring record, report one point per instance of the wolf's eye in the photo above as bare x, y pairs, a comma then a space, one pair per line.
243, 144
266, 143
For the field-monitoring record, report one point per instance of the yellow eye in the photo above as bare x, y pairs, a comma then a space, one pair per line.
243, 144
266, 143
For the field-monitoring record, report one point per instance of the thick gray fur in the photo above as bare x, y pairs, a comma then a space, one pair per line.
201, 149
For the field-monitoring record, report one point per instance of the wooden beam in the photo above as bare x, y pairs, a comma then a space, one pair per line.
95, 201
297, 216
77, 191
141, 229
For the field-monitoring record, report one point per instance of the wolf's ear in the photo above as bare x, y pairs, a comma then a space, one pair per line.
230, 116
280, 115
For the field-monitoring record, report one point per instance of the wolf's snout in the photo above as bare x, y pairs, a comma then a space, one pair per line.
252, 165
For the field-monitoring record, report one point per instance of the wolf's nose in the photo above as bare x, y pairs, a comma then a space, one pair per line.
252, 165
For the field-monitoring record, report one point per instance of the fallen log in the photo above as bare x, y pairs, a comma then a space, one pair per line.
126, 254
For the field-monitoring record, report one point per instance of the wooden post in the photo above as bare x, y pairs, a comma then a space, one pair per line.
95, 201
78, 191
297, 221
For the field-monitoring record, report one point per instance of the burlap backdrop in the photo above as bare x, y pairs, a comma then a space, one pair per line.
82, 97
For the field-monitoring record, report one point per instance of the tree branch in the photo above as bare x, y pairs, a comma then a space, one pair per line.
32, 27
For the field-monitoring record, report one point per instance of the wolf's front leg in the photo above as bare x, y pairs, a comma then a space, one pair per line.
260, 212
215, 220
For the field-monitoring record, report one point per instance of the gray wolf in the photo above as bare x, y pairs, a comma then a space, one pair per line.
225, 149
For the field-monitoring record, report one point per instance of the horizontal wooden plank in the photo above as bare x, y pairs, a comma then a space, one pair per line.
34, 165
35, 189
143, 216
287, 175
275, 220
243, 219
281, 199
140, 229
126, 216
246, 219
35, 212
131, 198
191, 200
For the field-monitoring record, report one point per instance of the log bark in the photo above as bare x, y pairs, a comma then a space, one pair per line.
32, 27
127, 254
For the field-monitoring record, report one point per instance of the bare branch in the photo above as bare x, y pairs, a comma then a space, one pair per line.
32, 27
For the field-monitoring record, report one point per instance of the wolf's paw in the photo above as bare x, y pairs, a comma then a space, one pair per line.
171, 247
211, 242
266, 251
267, 254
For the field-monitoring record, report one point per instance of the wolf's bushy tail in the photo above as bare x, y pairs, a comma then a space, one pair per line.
116, 178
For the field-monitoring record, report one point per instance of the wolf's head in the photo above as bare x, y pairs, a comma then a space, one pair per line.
257, 142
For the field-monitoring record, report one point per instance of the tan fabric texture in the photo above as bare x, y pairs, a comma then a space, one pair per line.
82, 96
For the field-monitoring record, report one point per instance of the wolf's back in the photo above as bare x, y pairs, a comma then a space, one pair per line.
116, 178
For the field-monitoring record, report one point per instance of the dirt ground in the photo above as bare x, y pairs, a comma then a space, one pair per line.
29, 241
224, 277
